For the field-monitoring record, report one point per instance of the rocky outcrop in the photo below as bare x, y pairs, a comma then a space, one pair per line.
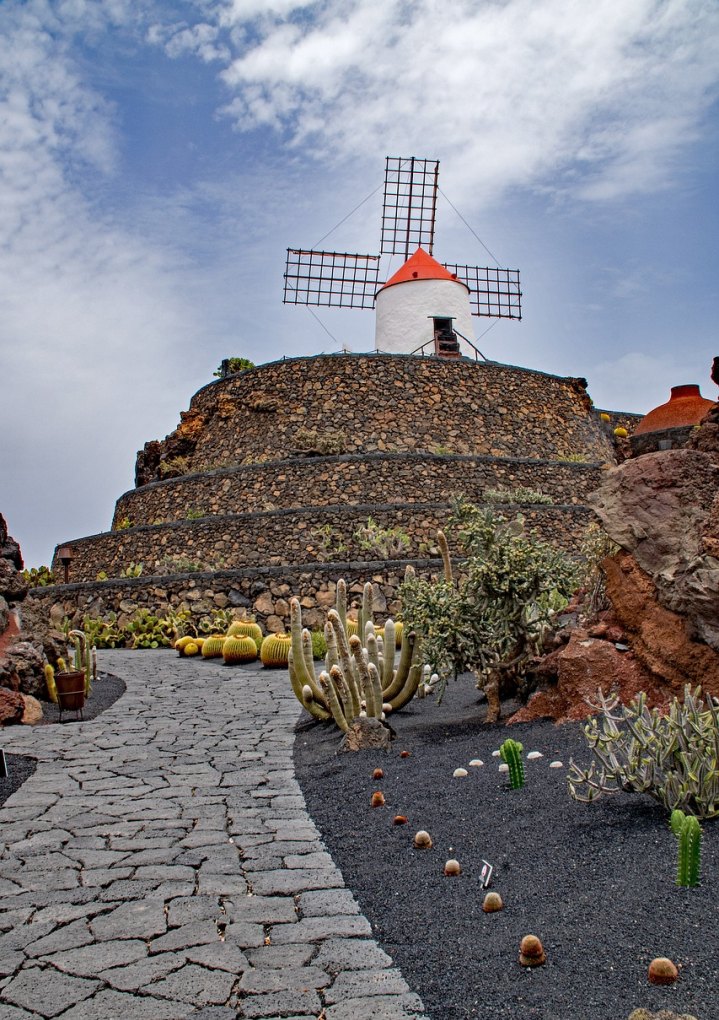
662, 509
22, 637
587, 659
664, 641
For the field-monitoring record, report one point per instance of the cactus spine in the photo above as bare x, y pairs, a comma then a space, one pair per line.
511, 753
689, 833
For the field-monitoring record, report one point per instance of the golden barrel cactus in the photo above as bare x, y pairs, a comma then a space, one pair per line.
246, 628
238, 648
212, 646
275, 650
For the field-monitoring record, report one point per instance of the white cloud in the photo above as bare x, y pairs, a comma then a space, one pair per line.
91, 313
601, 99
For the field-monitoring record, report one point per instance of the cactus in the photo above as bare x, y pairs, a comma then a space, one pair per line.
511, 753
689, 833
356, 680
275, 650
50, 683
83, 658
249, 628
238, 648
672, 757
212, 646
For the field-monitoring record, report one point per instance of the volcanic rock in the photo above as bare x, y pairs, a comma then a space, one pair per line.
12, 707
575, 672
663, 509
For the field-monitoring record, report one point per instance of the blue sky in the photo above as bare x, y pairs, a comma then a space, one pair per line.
157, 159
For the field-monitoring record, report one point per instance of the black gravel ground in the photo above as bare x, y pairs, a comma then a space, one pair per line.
594, 882
105, 692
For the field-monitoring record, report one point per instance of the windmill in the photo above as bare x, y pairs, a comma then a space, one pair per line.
436, 307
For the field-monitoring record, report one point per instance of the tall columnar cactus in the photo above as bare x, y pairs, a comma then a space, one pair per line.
84, 660
689, 833
358, 679
511, 753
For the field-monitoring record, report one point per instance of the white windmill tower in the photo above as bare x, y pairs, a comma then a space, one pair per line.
426, 306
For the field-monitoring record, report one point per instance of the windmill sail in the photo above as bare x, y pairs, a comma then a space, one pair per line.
409, 205
492, 292
333, 278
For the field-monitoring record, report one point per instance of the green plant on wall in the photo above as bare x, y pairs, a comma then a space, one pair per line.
38, 577
494, 618
382, 543
521, 494
123, 524
229, 366
329, 542
173, 467
194, 514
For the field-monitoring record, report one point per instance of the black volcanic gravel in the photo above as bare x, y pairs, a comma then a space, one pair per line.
105, 692
594, 882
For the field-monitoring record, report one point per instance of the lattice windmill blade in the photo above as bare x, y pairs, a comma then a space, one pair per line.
330, 278
409, 205
492, 292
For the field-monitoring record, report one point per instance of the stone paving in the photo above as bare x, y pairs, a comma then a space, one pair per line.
161, 864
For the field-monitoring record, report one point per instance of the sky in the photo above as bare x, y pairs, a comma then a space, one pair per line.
158, 157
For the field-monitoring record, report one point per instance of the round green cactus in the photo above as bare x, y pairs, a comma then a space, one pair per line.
275, 650
238, 648
212, 646
248, 628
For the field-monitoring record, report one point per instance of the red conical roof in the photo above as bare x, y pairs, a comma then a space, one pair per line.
686, 406
421, 266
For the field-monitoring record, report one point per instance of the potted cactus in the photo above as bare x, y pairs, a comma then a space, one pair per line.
72, 686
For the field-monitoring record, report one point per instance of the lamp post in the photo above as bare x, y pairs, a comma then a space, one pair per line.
64, 554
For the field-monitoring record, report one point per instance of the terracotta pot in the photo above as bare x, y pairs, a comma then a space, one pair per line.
70, 690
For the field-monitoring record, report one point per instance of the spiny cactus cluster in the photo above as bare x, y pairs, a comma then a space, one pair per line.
357, 680
689, 833
673, 758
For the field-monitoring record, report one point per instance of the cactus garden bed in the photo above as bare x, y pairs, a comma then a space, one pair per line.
595, 882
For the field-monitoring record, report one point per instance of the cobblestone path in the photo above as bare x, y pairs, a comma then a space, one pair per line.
160, 864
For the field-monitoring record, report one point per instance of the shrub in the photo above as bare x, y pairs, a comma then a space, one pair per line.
173, 467
231, 365
496, 617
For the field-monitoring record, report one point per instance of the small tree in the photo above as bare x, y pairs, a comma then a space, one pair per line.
231, 365
494, 619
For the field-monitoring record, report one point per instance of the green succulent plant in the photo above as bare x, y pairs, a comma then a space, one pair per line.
494, 618
672, 757
511, 753
689, 834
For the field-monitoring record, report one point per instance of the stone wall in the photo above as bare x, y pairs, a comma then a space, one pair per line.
389, 403
350, 479
264, 592
289, 536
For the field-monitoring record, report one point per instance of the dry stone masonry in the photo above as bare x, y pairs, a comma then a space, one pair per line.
278, 466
